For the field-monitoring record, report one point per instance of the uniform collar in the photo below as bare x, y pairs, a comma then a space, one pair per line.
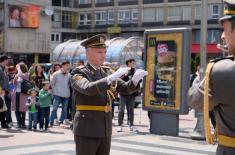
91, 68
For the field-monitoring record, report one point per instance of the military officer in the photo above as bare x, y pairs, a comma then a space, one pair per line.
216, 91
93, 86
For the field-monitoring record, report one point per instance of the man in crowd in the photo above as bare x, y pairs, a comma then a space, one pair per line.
127, 100
93, 87
4, 84
219, 83
60, 88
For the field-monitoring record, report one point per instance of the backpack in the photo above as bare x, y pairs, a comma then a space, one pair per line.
26, 85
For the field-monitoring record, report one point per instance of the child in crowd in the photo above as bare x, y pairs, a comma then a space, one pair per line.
45, 98
33, 105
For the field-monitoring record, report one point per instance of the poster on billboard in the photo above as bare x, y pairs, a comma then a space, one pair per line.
167, 60
24, 16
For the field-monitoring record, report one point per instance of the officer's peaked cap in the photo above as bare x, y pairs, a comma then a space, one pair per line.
229, 10
97, 41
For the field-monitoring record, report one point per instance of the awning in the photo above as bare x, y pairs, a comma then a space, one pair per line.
211, 49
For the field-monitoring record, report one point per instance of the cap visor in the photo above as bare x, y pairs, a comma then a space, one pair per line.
227, 17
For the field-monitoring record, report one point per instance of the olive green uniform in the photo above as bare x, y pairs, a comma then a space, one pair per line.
222, 99
93, 129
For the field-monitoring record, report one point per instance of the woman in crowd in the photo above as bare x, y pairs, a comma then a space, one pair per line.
19, 98
55, 67
38, 77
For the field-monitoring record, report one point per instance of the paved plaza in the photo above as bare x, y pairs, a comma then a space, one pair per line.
59, 141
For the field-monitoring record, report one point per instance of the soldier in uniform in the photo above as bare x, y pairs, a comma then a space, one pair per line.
216, 90
93, 86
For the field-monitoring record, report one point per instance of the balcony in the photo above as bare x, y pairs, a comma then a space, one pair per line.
104, 4
177, 1
84, 5
209, 21
84, 27
178, 23
152, 1
151, 24
128, 2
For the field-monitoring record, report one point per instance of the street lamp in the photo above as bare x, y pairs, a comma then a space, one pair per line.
198, 133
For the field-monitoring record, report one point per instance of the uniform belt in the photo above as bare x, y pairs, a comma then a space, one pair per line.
106, 108
226, 141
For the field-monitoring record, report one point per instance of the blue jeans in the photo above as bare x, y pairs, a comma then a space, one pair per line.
56, 102
33, 119
44, 117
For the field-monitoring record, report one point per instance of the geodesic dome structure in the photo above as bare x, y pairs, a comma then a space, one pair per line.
118, 51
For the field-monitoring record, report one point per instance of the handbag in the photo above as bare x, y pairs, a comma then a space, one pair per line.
3, 103
26, 85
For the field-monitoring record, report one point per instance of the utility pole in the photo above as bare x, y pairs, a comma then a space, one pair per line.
199, 133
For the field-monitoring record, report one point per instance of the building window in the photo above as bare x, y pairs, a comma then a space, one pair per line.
55, 37
159, 14
84, 1
124, 16
67, 19
110, 17
213, 36
101, 18
214, 11
198, 12
174, 13
56, 17
149, 15
134, 16
186, 13
85, 18
179, 13
52, 37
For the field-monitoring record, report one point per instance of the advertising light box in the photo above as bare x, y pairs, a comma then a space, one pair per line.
167, 60
24, 16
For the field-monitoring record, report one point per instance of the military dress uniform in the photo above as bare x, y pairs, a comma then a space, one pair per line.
216, 92
93, 96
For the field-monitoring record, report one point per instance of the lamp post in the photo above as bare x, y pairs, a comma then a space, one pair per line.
199, 133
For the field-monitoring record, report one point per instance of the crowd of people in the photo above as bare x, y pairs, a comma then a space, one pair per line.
48, 89
37, 92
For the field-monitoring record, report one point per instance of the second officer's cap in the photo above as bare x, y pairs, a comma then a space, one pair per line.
229, 10
97, 41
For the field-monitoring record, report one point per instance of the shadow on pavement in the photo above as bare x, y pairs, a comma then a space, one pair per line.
6, 136
55, 132
51, 152
15, 130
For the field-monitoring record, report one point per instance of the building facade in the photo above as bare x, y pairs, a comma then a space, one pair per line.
79, 19
25, 30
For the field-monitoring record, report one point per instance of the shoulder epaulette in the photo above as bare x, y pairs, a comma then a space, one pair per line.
222, 58
80, 67
106, 67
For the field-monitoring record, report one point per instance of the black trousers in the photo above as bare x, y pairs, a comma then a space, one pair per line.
222, 150
129, 101
92, 146
8, 112
20, 117
3, 119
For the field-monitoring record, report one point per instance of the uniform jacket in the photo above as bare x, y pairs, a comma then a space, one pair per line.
89, 88
4, 79
222, 97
